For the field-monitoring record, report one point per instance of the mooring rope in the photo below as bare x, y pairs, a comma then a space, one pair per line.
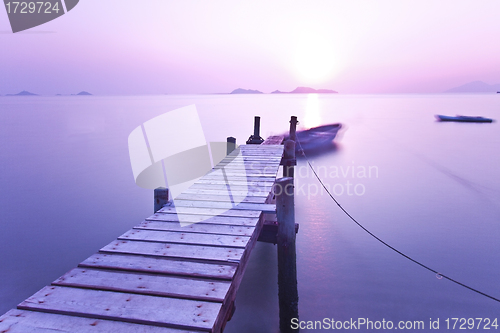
438, 275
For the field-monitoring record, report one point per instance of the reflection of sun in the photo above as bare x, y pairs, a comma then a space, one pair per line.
312, 117
314, 60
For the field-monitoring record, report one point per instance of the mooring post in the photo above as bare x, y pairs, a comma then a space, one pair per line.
293, 128
287, 266
256, 127
161, 198
255, 138
231, 144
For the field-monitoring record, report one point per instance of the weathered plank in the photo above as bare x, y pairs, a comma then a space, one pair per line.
227, 187
266, 208
250, 159
210, 211
185, 238
208, 228
244, 178
259, 147
140, 309
221, 254
22, 321
223, 198
233, 193
250, 170
269, 182
145, 284
249, 164
159, 266
229, 173
207, 219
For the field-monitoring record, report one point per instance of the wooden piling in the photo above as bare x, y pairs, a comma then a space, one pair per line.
255, 139
289, 159
293, 128
231, 144
287, 267
160, 197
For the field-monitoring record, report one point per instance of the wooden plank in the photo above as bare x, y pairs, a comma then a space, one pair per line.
160, 266
206, 219
221, 254
268, 183
140, 309
233, 193
261, 154
209, 211
244, 148
22, 321
266, 208
249, 169
185, 238
243, 157
209, 228
219, 198
246, 159
250, 188
249, 173
238, 178
145, 284
257, 153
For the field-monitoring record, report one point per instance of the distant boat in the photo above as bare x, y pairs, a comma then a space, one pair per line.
465, 119
316, 137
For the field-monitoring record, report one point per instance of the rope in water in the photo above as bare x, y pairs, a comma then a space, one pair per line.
439, 275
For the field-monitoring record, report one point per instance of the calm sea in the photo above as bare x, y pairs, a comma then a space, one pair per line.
430, 189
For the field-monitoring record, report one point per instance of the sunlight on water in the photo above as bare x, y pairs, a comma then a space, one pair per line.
313, 114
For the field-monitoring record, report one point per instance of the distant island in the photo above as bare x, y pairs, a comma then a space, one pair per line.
475, 87
83, 93
23, 93
245, 91
306, 90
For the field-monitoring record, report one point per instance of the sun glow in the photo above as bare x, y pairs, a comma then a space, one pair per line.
314, 60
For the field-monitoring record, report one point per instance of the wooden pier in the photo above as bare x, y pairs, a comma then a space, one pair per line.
161, 276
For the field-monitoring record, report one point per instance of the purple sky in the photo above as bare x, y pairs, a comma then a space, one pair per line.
183, 47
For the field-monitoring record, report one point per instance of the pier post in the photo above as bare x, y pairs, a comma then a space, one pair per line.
287, 266
293, 128
289, 159
255, 139
161, 198
231, 144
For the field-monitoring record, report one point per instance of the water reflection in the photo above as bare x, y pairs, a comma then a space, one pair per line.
312, 117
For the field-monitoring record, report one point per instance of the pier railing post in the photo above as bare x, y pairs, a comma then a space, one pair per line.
161, 198
231, 144
287, 267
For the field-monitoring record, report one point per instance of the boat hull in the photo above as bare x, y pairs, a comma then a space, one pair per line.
464, 119
316, 138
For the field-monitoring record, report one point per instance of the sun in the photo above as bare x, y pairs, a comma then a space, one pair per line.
314, 59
